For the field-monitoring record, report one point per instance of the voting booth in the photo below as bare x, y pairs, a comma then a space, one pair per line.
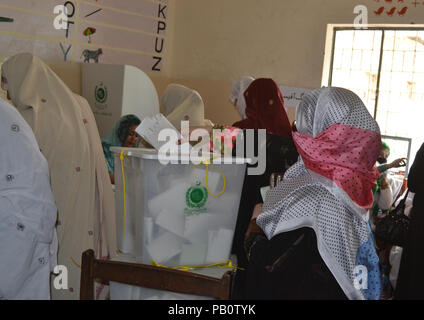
117, 90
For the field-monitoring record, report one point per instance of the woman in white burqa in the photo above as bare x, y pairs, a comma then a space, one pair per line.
67, 134
180, 103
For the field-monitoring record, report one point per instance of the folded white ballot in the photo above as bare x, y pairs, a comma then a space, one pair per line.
151, 127
173, 199
172, 221
219, 245
193, 254
197, 226
165, 247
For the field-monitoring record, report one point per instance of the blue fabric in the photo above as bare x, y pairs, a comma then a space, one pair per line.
110, 161
115, 138
367, 257
112, 140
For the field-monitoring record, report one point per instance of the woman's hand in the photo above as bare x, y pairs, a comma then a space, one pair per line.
401, 162
257, 211
253, 227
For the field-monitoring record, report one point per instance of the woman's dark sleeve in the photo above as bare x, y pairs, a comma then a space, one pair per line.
416, 174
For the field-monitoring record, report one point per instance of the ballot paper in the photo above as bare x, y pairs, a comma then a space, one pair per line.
150, 128
219, 245
165, 247
172, 221
173, 200
197, 226
264, 191
193, 254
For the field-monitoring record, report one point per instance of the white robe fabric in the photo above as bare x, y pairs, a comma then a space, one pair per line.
237, 93
28, 243
67, 134
382, 199
180, 103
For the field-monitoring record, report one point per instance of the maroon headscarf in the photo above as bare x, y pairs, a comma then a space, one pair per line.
265, 108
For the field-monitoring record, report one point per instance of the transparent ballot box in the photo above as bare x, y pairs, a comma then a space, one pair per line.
179, 213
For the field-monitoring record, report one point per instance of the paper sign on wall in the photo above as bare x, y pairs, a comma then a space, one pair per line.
292, 96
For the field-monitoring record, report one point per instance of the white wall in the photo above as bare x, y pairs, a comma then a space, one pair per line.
219, 41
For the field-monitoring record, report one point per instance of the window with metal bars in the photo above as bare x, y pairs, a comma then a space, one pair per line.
385, 67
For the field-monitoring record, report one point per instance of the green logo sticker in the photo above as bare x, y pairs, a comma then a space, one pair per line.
196, 198
100, 93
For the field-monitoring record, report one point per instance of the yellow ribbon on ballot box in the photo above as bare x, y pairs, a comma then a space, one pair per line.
206, 163
121, 157
222, 264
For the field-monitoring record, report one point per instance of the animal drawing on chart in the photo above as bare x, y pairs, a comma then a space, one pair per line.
379, 11
94, 55
391, 12
402, 11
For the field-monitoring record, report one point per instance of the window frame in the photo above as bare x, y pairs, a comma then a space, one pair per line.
383, 29
409, 140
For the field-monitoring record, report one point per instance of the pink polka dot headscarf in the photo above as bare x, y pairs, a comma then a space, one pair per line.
337, 138
329, 188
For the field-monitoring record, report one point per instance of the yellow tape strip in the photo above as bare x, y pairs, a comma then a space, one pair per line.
206, 163
121, 157
78, 265
222, 264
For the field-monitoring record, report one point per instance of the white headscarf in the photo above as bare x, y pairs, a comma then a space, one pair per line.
180, 103
307, 199
66, 131
237, 93
28, 244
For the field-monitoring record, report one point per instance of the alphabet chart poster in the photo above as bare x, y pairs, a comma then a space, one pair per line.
129, 32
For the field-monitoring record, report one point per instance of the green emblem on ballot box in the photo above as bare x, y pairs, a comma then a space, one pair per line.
196, 198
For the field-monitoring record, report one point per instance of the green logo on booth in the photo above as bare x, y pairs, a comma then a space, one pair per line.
100, 93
